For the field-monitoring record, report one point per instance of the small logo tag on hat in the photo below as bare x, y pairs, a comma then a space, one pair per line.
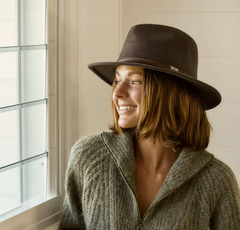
173, 68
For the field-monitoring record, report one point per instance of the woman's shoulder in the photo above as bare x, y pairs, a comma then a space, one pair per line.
221, 168
94, 140
221, 174
87, 141
90, 145
221, 183
86, 144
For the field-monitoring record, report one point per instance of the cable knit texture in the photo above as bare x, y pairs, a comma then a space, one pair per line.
199, 193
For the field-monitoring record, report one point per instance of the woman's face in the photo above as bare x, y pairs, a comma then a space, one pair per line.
127, 95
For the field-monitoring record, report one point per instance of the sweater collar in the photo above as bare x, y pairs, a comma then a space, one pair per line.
121, 149
185, 167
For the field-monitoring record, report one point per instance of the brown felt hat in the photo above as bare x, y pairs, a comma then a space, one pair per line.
161, 48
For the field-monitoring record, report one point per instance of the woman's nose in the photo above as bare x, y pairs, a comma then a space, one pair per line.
121, 90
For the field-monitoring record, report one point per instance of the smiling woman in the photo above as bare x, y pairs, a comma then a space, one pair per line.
153, 170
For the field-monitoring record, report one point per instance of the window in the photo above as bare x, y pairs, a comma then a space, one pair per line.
26, 166
23, 158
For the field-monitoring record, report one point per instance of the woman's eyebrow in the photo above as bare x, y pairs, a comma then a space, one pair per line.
130, 73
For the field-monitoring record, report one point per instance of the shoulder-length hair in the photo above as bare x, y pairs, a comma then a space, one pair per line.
171, 112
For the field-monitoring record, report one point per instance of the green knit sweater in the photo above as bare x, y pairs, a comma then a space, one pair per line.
199, 192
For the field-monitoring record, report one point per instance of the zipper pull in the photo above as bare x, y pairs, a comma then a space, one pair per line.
140, 225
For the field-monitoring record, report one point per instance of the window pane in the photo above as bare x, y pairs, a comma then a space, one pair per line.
10, 190
33, 130
22, 76
33, 75
32, 22
22, 187
8, 78
9, 138
22, 22
8, 23
22, 133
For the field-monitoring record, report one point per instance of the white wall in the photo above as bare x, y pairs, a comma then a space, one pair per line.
215, 26
89, 32
101, 35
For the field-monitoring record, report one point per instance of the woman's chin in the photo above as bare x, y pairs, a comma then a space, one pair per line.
127, 126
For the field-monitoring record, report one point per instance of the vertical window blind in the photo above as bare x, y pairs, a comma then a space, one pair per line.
23, 105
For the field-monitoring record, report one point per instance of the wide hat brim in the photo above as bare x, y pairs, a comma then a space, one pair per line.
208, 94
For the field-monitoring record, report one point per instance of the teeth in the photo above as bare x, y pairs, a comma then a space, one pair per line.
127, 107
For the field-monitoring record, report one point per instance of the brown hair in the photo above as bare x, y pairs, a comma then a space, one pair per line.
171, 112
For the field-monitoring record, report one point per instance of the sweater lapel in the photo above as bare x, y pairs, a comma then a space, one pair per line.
122, 151
186, 167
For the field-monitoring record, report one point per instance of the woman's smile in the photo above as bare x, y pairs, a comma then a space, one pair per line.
128, 107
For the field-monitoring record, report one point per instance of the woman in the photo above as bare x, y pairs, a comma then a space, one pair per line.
152, 171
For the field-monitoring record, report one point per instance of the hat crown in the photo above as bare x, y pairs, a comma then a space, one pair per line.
161, 45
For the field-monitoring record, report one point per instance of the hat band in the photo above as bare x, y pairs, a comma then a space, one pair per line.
157, 64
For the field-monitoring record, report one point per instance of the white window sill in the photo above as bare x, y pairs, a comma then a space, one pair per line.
44, 216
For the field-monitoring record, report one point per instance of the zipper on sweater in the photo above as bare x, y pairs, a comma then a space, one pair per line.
140, 225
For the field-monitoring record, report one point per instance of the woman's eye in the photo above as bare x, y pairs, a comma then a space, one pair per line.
117, 82
136, 82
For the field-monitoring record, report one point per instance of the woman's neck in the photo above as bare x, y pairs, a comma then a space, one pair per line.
152, 157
